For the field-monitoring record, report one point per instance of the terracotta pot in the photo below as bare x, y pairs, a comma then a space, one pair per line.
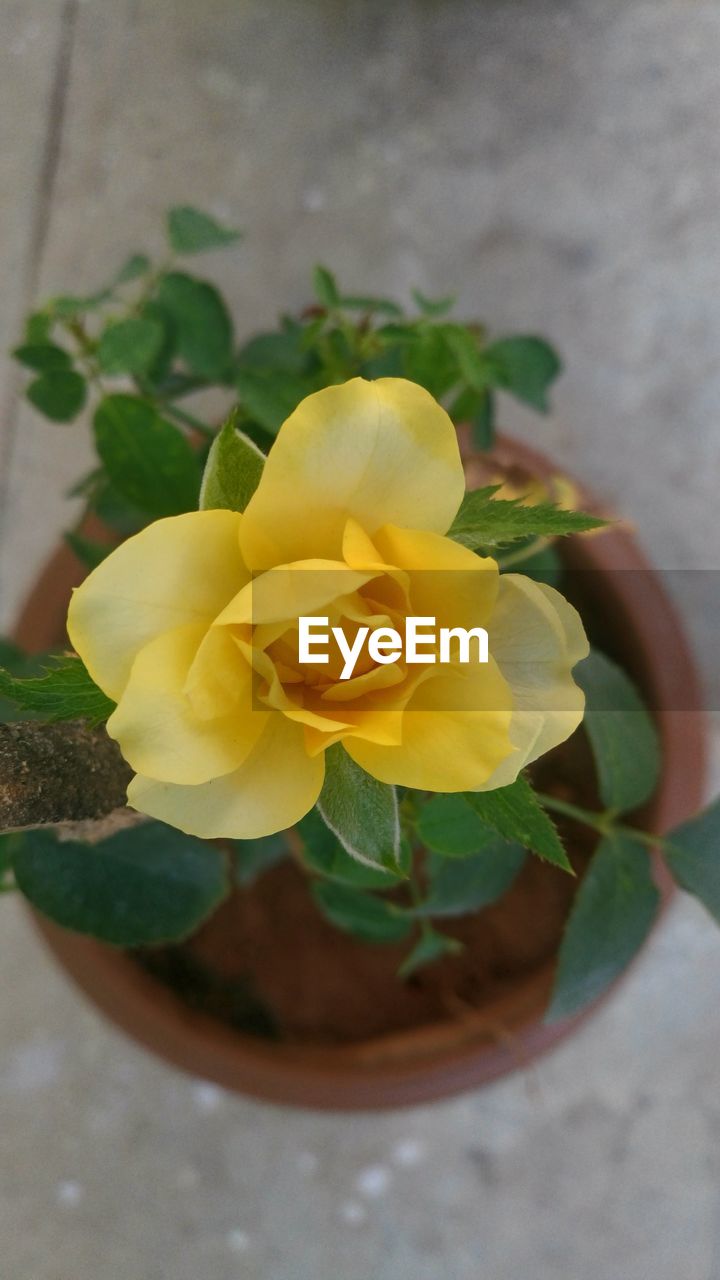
433, 1061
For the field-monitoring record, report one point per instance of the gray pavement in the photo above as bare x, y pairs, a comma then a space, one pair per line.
557, 163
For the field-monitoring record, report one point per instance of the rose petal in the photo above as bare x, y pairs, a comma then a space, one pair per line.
181, 570
455, 732
536, 636
157, 728
274, 788
383, 452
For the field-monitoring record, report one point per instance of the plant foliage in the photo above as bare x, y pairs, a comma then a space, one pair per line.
64, 691
389, 867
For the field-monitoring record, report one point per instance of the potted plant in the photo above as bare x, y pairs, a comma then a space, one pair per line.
328, 796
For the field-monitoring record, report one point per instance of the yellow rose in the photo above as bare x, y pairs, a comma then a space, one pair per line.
191, 627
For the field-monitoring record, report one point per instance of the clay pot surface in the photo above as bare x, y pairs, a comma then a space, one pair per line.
419, 1063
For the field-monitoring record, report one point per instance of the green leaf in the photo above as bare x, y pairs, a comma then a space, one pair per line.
166, 382
338, 356
130, 346
367, 917
430, 946
38, 328
477, 408
383, 306
192, 231
389, 363
261, 438
253, 857
325, 286
457, 887
312, 331
324, 854
525, 366
472, 362
109, 505
622, 735
544, 565
202, 321
465, 405
89, 553
360, 811
12, 656
135, 266
67, 306
692, 853
280, 352
64, 692
433, 307
60, 394
429, 361
147, 459
613, 912
449, 825
232, 471
270, 399
516, 814
18, 663
486, 521
483, 422
149, 884
42, 357
400, 333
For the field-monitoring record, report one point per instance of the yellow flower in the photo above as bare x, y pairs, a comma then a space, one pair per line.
192, 627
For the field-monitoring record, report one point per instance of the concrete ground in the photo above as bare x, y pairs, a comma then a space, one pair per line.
557, 164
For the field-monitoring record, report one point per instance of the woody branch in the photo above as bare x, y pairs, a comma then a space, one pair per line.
52, 774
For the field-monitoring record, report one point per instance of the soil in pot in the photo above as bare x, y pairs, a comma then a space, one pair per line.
269, 964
